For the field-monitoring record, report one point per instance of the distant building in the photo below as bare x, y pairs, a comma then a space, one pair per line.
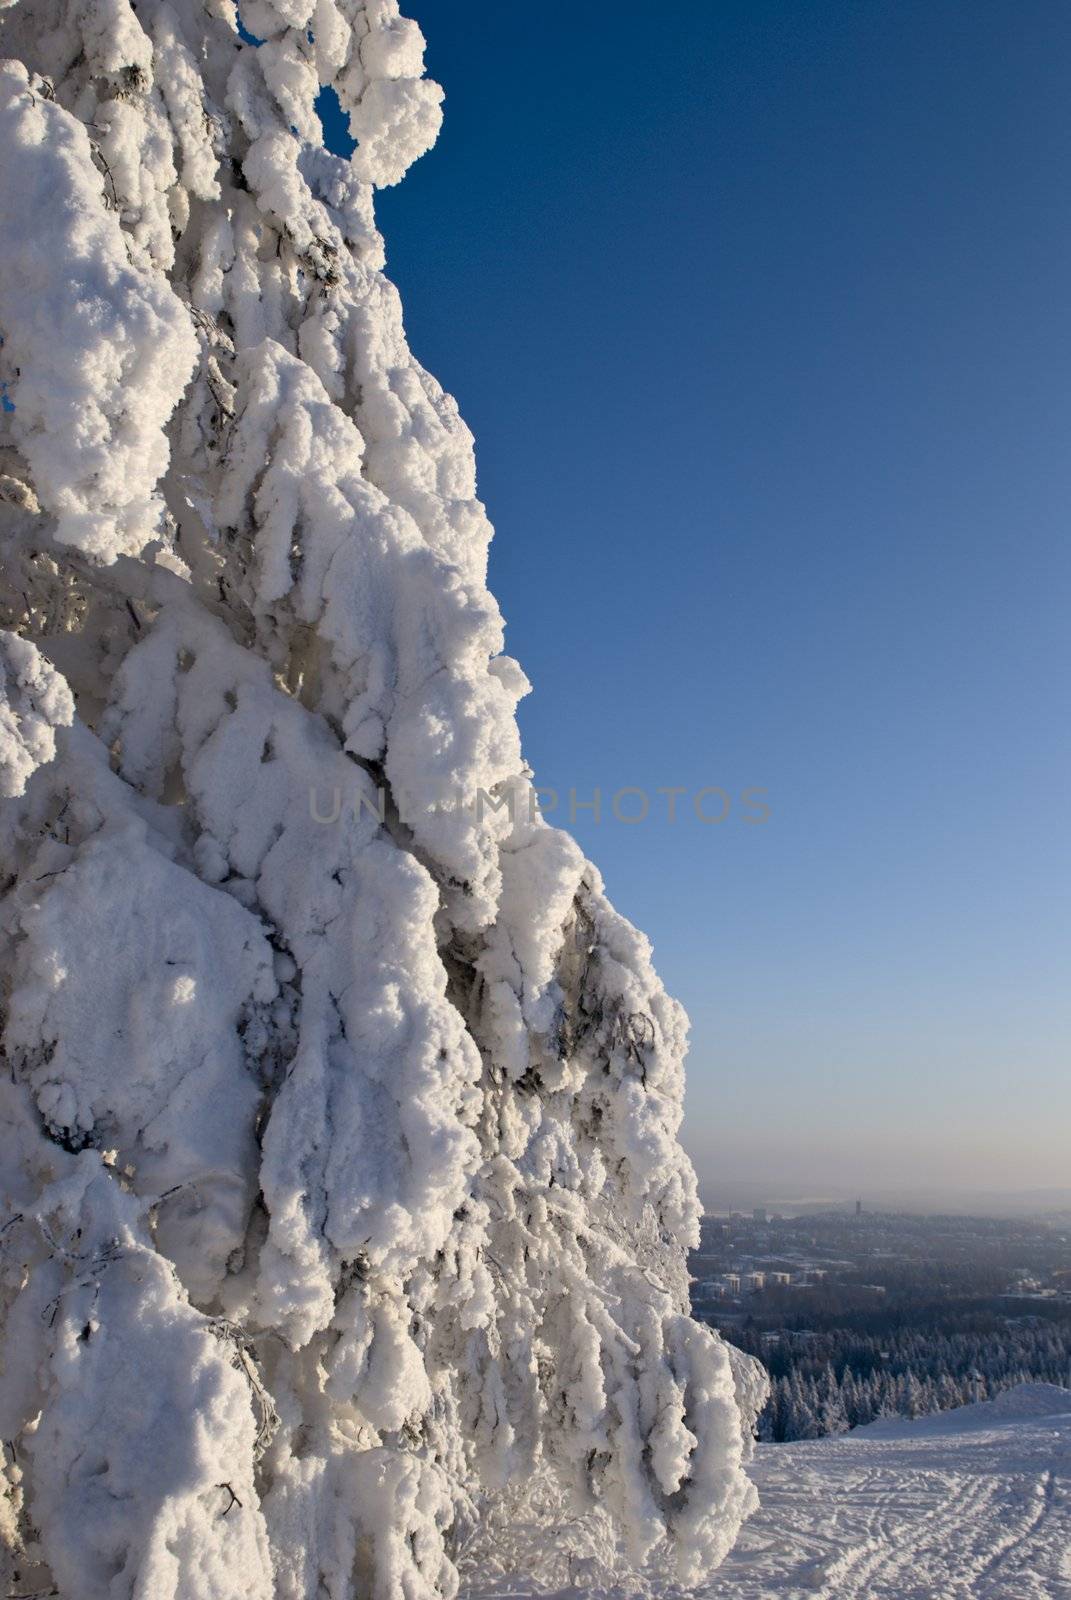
780, 1280
859, 1208
731, 1282
759, 1214
755, 1280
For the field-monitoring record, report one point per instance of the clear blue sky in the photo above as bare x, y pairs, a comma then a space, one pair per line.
761, 315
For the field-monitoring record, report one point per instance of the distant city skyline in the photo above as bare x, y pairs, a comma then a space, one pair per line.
774, 1197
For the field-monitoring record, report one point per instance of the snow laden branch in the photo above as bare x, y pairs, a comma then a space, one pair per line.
344, 1219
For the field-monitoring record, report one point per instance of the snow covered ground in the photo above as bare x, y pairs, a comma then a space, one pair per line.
973, 1504
969, 1503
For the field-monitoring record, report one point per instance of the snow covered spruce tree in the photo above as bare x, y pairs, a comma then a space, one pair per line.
344, 1218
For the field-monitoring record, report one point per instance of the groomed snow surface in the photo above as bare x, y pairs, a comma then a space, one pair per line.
973, 1504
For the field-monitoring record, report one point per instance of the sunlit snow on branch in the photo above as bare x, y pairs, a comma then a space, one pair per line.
344, 1226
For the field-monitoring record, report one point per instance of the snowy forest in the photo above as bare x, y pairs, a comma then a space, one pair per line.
843, 1380
344, 1217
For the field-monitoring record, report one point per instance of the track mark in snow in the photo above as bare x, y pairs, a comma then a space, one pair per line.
973, 1505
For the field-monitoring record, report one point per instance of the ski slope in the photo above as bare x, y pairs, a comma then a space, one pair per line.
969, 1503
972, 1504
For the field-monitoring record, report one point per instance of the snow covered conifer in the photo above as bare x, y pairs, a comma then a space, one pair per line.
344, 1214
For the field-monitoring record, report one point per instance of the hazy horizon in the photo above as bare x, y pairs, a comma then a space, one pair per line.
773, 1191
941, 1157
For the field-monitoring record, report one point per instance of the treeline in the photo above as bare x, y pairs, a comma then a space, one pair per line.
827, 1383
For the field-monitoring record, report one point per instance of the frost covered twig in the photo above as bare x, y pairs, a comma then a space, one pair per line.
243, 1360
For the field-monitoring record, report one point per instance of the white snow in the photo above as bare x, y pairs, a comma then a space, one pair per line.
34, 701
95, 354
343, 1217
971, 1504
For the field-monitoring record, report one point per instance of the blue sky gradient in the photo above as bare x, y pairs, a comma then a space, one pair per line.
761, 315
